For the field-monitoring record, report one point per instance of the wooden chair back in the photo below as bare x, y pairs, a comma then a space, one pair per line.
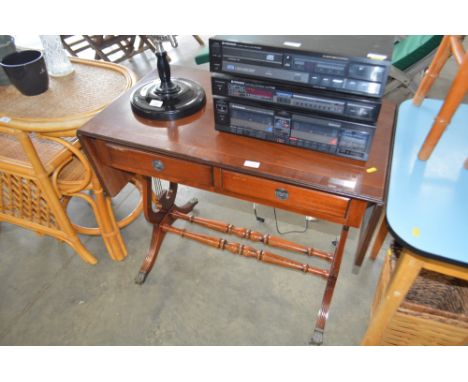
450, 46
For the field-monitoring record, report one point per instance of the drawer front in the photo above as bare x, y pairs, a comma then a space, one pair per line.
159, 166
281, 195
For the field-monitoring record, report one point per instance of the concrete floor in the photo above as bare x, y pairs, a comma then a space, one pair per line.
195, 295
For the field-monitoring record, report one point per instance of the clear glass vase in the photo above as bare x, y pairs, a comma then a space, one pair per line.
57, 61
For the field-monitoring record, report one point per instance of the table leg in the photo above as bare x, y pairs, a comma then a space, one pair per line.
365, 236
166, 201
156, 241
317, 337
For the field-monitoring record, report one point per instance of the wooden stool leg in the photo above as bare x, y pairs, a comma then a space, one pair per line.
379, 239
454, 97
436, 66
407, 271
365, 236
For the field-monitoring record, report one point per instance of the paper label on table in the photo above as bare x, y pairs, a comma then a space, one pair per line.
376, 56
343, 183
416, 232
5, 119
249, 163
371, 170
156, 103
293, 44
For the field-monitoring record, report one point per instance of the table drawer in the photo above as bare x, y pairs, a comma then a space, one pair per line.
159, 166
281, 195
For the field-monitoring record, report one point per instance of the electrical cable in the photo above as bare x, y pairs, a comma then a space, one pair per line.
306, 226
259, 218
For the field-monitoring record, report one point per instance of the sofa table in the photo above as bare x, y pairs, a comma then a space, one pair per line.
190, 151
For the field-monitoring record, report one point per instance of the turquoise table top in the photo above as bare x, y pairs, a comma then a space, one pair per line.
427, 204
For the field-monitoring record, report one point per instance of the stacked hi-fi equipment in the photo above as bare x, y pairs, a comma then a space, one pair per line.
316, 92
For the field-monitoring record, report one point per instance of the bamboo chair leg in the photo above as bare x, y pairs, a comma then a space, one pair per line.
57, 208
106, 221
79, 248
379, 239
116, 230
96, 231
138, 208
67, 227
407, 271
454, 97
436, 66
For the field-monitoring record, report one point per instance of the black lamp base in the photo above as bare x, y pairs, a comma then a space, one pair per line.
184, 98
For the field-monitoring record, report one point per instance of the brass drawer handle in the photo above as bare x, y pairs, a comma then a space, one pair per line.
281, 193
158, 165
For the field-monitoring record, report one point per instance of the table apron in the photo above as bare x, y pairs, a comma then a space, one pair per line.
302, 200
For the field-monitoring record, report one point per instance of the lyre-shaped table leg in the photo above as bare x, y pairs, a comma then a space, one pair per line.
166, 201
156, 241
187, 207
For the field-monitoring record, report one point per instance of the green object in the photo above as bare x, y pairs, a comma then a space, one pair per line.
203, 57
412, 49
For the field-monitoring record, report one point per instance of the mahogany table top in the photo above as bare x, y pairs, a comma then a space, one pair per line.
195, 139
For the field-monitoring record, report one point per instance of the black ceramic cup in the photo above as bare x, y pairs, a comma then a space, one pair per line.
27, 71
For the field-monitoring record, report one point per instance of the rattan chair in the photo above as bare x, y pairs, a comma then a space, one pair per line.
111, 48
42, 166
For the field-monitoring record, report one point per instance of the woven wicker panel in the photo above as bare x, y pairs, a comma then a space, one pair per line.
47, 150
22, 198
73, 171
88, 88
407, 329
435, 292
440, 292
434, 312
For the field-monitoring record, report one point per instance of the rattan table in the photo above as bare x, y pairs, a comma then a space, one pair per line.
70, 100
41, 164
